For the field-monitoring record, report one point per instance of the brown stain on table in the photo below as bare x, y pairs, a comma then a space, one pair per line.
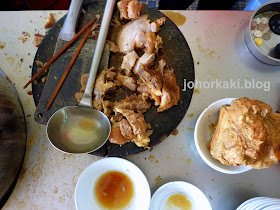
188, 161
153, 159
158, 179
190, 115
176, 17
196, 91
11, 60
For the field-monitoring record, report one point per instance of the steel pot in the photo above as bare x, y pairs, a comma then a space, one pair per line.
254, 49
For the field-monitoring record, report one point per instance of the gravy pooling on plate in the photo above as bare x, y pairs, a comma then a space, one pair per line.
114, 190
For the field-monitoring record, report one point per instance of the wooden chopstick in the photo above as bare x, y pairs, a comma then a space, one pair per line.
59, 52
68, 69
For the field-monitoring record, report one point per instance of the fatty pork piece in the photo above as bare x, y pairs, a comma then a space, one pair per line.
129, 61
127, 81
122, 6
140, 128
79, 95
84, 80
103, 83
170, 90
133, 34
113, 47
151, 78
117, 137
135, 103
152, 43
155, 26
126, 130
107, 107
146, 91
146, 60
130, 9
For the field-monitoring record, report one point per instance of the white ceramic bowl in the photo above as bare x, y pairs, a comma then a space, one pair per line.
194, 195
202, 136
84, 193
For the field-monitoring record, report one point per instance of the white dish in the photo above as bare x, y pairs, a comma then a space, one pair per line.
194, 195
260, 203
202, 136
84, 192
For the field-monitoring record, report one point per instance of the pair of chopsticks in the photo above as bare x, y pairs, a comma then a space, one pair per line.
89, 27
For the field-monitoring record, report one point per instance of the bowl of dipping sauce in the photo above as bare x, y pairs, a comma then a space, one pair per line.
179, 195
203, 132
112, 183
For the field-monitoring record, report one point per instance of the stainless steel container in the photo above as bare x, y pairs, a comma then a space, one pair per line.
12, 137
270, 6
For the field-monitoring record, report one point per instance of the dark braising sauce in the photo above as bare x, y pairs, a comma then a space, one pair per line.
114, 190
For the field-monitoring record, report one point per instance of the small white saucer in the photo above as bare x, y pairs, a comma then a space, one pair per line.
260, 203
194, 195
84, 193
202, 137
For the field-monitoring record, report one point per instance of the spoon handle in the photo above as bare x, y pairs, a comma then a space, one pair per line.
106, 20
68, 29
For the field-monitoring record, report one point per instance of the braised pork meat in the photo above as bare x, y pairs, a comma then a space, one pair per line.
247, 133
170, 90
152, 83
130, 10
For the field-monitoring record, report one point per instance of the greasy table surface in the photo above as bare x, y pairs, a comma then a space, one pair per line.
216, 39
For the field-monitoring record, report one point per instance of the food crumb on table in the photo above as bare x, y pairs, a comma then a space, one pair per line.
38, 38
2, 45
175, 132
44, 79
25, 34
158, 179
50, 21
39, 63
22, 39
